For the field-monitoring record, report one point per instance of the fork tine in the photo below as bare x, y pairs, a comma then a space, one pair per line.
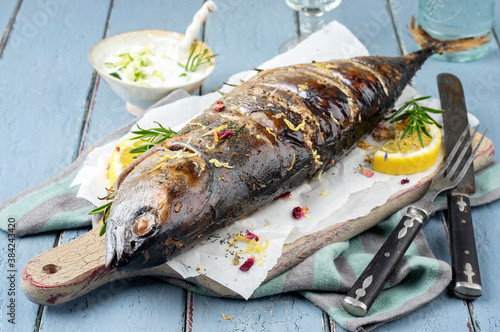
470, 159
453, 152
453, 167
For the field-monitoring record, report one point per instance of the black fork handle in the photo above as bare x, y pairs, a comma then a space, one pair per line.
370, 283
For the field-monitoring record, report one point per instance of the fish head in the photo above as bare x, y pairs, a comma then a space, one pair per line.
154, 208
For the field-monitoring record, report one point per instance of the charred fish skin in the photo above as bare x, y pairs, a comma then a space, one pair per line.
279, 128
328, 107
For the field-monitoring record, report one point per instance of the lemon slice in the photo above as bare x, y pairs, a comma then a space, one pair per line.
407, 156
121, 158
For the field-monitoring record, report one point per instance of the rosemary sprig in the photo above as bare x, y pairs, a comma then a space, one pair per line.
196, 60
415, 116
104, 209
151, 137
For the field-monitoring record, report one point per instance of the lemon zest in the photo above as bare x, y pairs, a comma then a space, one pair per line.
335, 120
302, 87
226, 317
186, 146
324, 193
162, 166
270, 131
216, 136
202, 167
178, 155
253, 247
211, 132
262, 262
316, 157
299, 126
293, 162
363, 145
210, 147
217, 163
319, 175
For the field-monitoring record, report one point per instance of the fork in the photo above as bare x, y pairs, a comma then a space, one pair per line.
370, 283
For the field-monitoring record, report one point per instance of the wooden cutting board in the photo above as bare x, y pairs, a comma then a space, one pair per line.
76, 268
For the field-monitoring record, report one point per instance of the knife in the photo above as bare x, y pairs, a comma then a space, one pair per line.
466, 280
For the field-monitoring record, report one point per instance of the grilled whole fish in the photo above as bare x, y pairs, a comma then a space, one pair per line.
275, 131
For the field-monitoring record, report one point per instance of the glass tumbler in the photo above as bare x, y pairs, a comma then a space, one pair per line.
454, 19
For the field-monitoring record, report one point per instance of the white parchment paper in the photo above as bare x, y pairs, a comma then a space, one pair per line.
347, 194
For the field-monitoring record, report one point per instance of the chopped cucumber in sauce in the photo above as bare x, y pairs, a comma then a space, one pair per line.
146, 69
115, 74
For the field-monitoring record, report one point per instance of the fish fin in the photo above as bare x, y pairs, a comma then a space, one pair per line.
426, 42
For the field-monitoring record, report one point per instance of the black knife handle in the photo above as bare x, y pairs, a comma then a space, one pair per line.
466, 280
370, 283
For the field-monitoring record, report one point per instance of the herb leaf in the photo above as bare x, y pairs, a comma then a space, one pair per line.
151, 137
416, 116
115, 74
104, 209
221, 93
101, 208
194, 61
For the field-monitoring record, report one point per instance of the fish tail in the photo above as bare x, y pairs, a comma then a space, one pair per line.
426, 42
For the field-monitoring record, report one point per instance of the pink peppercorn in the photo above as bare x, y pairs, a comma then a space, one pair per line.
298, 212
219, 106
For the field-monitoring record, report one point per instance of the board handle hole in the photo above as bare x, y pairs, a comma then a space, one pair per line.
50, 268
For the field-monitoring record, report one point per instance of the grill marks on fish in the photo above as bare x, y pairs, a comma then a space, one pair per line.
329, 106
185, 184
325, 76
327, 97
365, 68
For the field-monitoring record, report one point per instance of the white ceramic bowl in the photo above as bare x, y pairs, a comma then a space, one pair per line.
139, 96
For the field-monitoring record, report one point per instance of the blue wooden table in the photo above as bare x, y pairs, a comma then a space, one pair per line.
53, 106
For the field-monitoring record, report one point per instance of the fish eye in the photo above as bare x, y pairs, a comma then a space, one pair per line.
144, 224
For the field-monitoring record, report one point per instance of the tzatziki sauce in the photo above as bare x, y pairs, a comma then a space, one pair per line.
152, 65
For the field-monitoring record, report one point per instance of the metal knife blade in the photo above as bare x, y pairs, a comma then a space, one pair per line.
466, 280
